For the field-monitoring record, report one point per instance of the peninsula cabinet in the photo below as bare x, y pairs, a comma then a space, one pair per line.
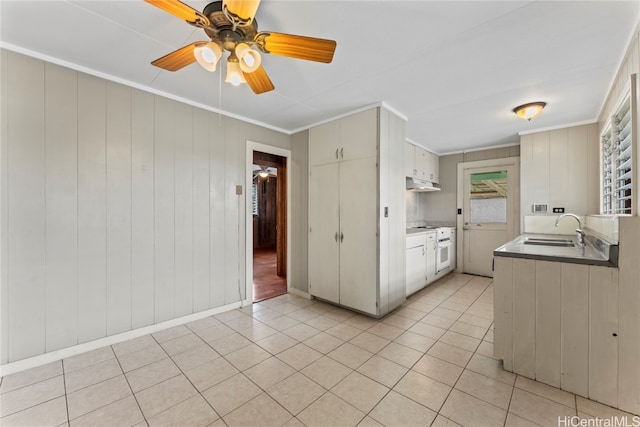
558, 323
356, 212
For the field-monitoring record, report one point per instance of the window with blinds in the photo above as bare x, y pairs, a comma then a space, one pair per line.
617, 162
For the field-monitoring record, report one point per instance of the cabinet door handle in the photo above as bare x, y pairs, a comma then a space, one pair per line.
423, 250
336, 236
336, 153
342, 153
341, 237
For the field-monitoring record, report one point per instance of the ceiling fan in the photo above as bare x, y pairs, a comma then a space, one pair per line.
264, 172
231, 26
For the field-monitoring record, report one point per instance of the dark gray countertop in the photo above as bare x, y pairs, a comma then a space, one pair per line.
587, 254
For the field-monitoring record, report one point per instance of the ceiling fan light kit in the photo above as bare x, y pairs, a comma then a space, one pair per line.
234, 73
249, 59
530, 110
231, 26
208, 55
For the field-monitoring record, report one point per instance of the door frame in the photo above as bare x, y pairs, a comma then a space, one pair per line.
506, 161
282, 152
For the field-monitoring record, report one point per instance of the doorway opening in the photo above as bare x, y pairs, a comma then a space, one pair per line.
269, 210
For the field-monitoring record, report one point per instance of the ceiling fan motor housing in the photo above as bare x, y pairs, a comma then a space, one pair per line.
223, 30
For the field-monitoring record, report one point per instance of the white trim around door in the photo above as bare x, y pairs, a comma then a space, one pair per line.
507, 161
251, 147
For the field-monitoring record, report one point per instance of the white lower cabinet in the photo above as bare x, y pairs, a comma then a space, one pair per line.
416, 260
432, 249
324, 235
420, 260
452, 252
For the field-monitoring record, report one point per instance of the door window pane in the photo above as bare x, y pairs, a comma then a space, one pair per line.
488, 197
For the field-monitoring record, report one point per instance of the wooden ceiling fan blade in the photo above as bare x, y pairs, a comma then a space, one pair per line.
259, 81
178, 58
176, 8
301, 47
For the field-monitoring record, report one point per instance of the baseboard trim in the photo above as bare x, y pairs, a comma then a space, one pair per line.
299, 293
53, 356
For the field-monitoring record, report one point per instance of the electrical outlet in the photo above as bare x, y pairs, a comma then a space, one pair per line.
558, 210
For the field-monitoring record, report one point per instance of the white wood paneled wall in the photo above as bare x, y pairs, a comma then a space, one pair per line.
119, 207
560, 168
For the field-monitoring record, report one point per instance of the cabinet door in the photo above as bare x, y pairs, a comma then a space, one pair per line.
422, 164
358, 228
324, 141
431, 248
416, 268
409, 159
324, 258
359, 135
453, 253
434, 168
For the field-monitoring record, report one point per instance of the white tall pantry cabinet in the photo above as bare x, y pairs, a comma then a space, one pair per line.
356, 211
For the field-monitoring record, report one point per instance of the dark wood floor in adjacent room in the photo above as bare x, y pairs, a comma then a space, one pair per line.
266, 284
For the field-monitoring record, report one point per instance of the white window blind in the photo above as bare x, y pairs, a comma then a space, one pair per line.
617, 162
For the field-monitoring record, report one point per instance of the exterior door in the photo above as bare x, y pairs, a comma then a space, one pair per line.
488, 215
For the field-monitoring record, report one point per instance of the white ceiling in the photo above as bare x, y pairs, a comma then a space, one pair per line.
454, 69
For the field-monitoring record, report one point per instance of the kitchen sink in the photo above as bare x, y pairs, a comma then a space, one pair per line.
567, 243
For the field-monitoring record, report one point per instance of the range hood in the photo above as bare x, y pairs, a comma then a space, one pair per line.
415, 184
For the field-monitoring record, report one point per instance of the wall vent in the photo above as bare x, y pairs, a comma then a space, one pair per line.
539, 209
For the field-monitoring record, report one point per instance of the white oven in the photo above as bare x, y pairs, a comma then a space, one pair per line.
443, 252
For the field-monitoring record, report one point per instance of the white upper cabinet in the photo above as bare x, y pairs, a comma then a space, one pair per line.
409, 159
433, 171
349, 138
421, 164
359, 135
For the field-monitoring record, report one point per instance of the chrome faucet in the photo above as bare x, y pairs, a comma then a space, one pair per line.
578, 230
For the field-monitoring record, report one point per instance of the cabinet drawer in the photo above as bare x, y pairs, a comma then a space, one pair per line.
415, 240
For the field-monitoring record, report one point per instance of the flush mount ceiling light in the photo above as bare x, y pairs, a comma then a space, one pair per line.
530, 110
232, 28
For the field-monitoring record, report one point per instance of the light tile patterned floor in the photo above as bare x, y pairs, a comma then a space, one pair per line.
291, 361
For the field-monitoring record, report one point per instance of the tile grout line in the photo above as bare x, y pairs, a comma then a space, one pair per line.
124, 374
66, 399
